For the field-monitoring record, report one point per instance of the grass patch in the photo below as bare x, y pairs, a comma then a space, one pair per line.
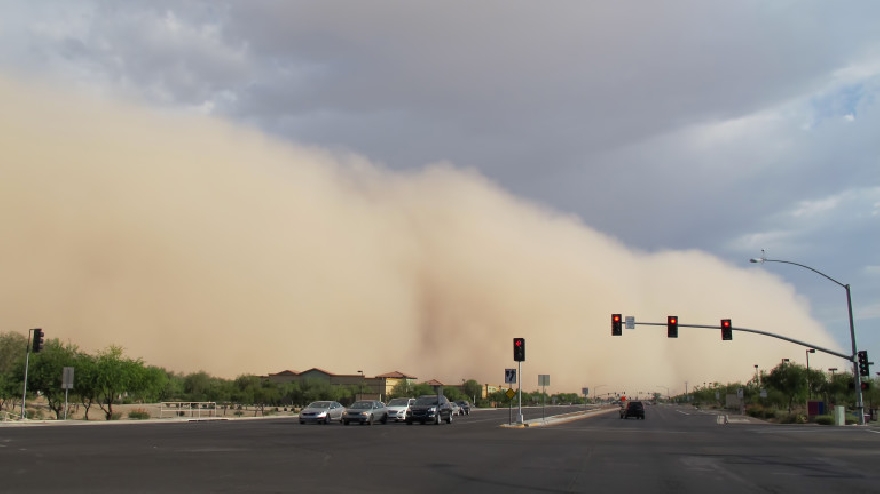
138, 414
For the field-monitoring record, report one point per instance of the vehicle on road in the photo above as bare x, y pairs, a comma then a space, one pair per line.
321, 412
397, 408
365, 412
430, 408
633, 409
456, 410
464, 408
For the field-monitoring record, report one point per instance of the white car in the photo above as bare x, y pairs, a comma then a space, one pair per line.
397, 408
322, 412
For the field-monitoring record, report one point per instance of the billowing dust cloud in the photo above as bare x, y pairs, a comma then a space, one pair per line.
198, 245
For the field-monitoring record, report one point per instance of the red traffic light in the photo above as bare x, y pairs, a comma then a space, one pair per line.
616, 317
519, 349
725, 323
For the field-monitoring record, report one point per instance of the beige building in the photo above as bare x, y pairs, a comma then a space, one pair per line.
380, 385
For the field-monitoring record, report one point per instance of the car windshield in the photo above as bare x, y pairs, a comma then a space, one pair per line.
635, 404
427, 400
319, 404
362, 404
399, 402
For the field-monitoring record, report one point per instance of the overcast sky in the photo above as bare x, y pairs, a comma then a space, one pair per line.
726, 127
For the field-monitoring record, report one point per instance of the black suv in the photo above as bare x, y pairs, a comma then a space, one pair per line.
633, 409
427, 408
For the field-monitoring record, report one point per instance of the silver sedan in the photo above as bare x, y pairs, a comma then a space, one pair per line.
365, 412
321, 412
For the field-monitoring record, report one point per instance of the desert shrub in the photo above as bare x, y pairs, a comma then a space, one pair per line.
825, 420
269, 413
116, 416
238, 413
138, 414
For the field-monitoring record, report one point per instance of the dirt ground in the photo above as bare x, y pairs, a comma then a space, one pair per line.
169, 410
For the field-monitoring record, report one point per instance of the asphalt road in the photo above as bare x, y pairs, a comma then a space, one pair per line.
675, 450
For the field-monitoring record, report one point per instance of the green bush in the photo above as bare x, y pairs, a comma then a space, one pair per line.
825, 420
238, 413
116, 416
138, 414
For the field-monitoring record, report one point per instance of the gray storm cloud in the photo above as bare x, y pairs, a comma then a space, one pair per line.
196, 244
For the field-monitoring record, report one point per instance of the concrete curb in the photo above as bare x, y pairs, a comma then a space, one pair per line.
559, 419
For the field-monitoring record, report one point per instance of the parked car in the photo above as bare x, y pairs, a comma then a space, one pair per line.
365, 412
464, 408
456, 410
321, 412
397, 408
430, 408
633, 409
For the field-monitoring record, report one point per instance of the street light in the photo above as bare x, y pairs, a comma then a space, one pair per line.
757, 376
852, 331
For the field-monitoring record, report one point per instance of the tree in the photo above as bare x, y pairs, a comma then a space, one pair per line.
47, 372
473, 390
790, 380
13, 346
115, 374
85, 381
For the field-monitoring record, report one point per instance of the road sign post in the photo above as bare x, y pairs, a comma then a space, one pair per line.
543, 381
67, 384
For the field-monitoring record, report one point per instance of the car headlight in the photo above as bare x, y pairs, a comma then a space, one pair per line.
322, 414
432, 409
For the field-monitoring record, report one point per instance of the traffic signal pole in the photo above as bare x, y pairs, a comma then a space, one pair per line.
519, 417
27, 351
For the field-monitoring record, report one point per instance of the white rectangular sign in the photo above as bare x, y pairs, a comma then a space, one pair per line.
543, 380
67, 378
509, 376
630, 322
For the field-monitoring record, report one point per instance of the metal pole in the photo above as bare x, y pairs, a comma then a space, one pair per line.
65, 402
852, 332
519, 418
544, 405
856, 376
27, 351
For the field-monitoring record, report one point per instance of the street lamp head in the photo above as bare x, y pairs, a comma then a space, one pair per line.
832, 369
756, 261
812, 350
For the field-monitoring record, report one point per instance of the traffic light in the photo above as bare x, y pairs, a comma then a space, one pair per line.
616, 325
726, 330
672, 326
519, 349
863, 364
38, 340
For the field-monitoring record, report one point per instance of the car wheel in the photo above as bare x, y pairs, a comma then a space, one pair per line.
449, 419
370, 422
384, 419
302, 422
345, 422
408, 422
423, 422
437, 419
